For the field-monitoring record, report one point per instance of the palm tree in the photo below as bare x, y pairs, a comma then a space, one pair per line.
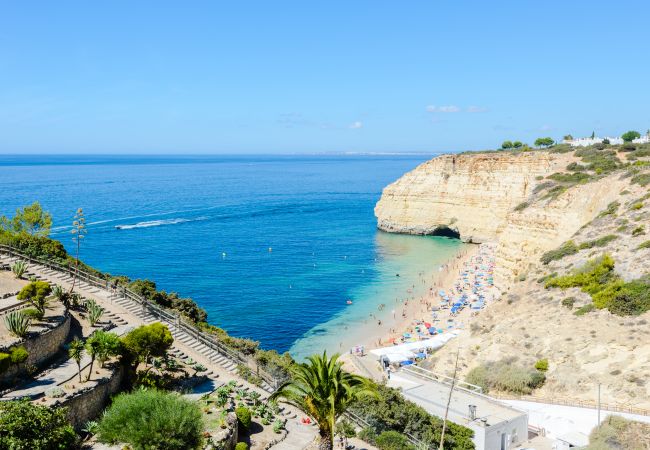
76, 352
323, 390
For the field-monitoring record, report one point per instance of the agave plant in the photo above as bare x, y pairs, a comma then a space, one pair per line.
17, 323
19, 268
95, 312
61, 295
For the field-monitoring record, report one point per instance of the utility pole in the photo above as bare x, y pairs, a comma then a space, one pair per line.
451, 391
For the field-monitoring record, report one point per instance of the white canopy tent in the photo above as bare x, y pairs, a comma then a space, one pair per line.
404, 352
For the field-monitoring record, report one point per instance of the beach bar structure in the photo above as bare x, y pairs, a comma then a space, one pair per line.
496, 426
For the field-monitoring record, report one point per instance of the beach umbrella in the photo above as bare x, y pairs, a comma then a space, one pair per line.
432, 330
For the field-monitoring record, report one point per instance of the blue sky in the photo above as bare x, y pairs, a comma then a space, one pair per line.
303, 76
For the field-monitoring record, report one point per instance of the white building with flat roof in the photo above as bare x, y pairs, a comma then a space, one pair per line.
587, 141
496, 426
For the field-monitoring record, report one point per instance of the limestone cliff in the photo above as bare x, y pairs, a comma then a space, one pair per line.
529, 204
470, 194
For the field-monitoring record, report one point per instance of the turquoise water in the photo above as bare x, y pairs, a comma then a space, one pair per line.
271, 246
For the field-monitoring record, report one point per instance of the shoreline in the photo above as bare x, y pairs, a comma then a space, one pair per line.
419, 309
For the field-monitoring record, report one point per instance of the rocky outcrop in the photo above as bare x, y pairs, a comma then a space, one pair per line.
470, 194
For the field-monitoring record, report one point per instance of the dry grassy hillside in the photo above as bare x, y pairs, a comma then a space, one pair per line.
555, 233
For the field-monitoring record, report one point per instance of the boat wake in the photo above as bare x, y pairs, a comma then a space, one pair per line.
157, 223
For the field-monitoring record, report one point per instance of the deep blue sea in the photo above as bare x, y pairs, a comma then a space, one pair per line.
271, 246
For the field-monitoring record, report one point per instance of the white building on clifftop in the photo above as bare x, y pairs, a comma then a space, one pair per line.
587, 141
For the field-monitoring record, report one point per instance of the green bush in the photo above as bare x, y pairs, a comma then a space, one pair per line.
368, 435
542, 365
505, 376
147, 341
392, 440
241, 446
636, 206
639, 230
244, 417
611, 209
616, 432
584, 309
32, 313
572, 178
521, 206
642, 179
566, 249
389, 410
18, 355
148, 419
568, 302
600, 242
36, 294
645, 244
26, 426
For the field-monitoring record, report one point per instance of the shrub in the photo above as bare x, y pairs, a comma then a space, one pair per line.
32, 313
568, 302
572, 178
36, 294
568, 248
639, 230
636, 206
542, 365
575, 167
392, 440
17, 323
18, 355
506, 376
241, 446
616, 432
521, 206
389, 410
645, 244
150, 418
600, 242
19, 268
24, 426
368, 435
642, 179
148, 340
584, 309
625, 298
244, 417
611, 209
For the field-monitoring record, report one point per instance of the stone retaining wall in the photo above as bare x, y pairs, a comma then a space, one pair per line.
89, 403
41, 347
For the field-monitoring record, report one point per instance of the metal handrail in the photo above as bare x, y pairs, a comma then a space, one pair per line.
575, 403
429, 375
174, 319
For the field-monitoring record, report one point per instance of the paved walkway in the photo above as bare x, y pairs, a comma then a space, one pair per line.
185, 345
57, 376
559, 420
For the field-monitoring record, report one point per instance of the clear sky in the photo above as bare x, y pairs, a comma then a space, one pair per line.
308, 76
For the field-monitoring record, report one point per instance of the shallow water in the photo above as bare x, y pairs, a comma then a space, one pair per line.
270, 246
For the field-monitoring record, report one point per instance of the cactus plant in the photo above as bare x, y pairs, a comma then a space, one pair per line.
17, 323
19, 268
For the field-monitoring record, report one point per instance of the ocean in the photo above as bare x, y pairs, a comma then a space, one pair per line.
272, 247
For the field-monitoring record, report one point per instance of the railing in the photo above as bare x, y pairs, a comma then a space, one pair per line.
428, 375
575, 403
176, 320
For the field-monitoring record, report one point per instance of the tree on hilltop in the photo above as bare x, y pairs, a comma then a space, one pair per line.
517, 144
544, 142
630, 136
506, 145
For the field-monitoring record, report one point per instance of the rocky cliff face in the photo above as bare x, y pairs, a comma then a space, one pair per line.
469, 194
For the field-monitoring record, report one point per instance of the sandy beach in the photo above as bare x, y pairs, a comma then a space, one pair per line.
415, 305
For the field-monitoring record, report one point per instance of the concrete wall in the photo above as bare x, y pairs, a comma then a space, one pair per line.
41, 347
89, 403
489, 438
